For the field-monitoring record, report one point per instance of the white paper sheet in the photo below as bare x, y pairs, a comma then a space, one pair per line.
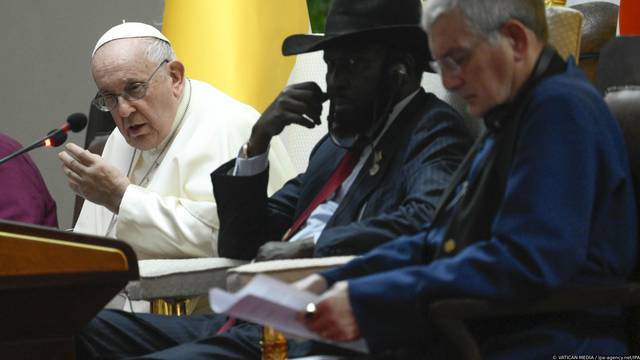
268, 301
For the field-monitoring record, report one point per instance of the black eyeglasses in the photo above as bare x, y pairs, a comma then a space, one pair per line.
133, 91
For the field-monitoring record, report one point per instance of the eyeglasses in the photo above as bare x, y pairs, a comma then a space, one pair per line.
132, 91
453, 64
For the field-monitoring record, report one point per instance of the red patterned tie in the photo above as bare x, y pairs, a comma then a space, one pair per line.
343, 170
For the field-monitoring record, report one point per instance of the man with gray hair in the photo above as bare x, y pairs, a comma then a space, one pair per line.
151, 187
543, 201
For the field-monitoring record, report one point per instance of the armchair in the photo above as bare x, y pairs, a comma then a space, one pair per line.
598, 27
175, 286
449, 315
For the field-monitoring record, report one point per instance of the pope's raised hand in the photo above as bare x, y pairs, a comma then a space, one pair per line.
93, 178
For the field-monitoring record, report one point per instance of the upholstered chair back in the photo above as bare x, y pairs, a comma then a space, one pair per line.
624, 102
619, 63
298, 140
598, 28
99, 127
565, 30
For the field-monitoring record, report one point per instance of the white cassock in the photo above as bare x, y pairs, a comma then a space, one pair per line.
171, 212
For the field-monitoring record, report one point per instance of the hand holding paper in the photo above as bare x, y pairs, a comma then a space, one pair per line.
333, 318
267, 301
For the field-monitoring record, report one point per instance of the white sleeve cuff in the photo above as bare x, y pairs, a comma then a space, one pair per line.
251, 166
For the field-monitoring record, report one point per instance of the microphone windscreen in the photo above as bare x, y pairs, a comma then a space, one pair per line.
58, 138
77, 121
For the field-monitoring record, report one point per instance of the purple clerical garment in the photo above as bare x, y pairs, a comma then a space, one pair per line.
23, 194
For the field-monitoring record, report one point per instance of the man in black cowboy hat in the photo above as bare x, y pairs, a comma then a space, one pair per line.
377, 175
394, 145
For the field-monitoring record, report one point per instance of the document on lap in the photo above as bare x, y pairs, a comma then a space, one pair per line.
268, 301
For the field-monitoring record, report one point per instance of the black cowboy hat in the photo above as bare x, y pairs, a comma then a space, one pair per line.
397, 21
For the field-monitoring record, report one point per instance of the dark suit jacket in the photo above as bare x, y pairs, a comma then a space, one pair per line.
420, 150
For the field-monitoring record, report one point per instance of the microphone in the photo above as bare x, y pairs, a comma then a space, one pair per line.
56, 137
75, 122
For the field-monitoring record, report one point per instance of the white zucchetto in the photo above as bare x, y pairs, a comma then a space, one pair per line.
129, 30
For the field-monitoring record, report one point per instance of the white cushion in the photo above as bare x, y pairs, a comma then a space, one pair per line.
178, 278
298, 139
289, 270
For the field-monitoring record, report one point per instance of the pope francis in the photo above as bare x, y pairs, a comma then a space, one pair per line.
151, 186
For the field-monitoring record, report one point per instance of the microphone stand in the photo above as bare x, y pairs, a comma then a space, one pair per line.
53, 134
22, 151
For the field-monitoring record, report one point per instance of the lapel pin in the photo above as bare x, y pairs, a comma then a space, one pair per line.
377, 156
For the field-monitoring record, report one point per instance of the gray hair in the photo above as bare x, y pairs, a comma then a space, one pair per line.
486, 17
158, 50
